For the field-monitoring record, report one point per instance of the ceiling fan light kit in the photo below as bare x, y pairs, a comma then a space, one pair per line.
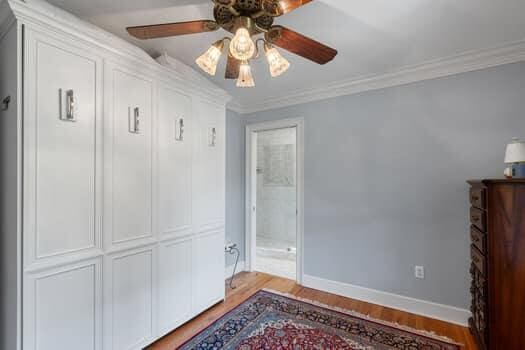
208, 61
277, 63
245, 76
242, 46
245, 19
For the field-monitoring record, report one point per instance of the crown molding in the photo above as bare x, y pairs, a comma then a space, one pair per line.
466, 62
236, 106
184, 70
44, 16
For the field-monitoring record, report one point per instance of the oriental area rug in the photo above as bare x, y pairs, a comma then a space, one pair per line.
270, 320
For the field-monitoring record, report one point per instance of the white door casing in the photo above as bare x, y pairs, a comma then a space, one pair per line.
251, 189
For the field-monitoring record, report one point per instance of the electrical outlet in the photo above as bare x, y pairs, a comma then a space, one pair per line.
229, 246
419, 272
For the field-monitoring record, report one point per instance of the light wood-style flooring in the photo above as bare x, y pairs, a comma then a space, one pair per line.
250, 282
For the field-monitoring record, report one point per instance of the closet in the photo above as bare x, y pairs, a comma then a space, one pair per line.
113, 169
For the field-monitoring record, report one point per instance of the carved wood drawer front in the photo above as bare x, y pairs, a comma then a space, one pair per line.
478, 307
477, 259
477, 198
478, 218
478, 239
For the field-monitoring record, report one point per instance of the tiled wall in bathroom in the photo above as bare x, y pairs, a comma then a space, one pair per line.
276, 185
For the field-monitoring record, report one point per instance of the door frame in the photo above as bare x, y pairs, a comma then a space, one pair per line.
251, 189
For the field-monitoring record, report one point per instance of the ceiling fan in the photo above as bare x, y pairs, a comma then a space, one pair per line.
245, 19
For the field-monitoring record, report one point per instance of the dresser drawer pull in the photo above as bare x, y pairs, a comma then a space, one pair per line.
474, 218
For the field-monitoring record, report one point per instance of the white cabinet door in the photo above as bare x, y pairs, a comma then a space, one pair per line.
63, 308
130, 281
128, 158
208, 166
175, 277
208, 270
174, 163
61, 118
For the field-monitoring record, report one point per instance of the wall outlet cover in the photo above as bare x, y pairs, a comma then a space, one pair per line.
419, 272
229, 246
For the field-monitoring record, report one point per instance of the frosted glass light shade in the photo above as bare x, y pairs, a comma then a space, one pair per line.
209, 60
245, 76
515, 152
242, 46
278, 64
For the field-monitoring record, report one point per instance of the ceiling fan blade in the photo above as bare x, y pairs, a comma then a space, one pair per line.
281, 7
232, 68
300, 45
172, 29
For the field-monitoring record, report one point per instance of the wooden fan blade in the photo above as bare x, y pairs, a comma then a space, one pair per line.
172, 29
232, 68
280, 7
300, 45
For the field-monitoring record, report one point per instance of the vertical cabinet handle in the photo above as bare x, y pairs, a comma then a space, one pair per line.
179, 129
67, 106
212, 137
134, 120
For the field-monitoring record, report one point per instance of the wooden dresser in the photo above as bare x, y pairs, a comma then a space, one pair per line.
497, 232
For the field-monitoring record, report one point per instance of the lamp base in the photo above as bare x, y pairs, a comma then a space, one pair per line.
516, 171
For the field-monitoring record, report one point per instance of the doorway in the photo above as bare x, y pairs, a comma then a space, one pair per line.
274, 195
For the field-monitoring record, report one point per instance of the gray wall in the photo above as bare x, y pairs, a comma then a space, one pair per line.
8, 192
235, 141
385, 178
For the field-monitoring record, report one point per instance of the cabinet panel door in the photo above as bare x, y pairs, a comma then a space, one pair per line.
174, 163
60, 146
62, 308
130, 299
209, 167
174, 284
208, 270
131, 157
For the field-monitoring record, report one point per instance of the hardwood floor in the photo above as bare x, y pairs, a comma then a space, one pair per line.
250, 282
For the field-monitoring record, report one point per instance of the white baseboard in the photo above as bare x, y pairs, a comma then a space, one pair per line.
229, 269
416, 306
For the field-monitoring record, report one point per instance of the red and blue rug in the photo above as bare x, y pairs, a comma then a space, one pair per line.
269, 320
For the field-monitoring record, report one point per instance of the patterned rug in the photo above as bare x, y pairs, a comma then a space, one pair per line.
271, 320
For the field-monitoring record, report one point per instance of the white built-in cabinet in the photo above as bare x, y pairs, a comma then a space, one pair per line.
62, 181
121, 190
128, 157
174, 162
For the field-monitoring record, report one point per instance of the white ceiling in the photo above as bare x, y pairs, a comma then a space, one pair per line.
372, 36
